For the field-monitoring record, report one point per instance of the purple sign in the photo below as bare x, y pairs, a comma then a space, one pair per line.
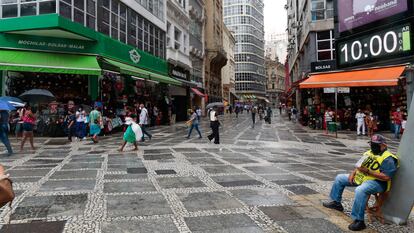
355, 13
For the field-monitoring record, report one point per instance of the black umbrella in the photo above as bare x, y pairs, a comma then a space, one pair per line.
37, 96
215, 104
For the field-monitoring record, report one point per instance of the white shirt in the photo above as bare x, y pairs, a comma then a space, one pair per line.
143, 117
360, 117
80, 116
213, 115
198, 111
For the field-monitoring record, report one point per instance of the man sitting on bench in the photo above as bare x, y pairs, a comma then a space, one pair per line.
372, 175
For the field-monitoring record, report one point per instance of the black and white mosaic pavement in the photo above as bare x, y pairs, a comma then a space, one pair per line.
255, 181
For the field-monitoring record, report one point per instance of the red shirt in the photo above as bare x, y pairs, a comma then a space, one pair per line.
397, 118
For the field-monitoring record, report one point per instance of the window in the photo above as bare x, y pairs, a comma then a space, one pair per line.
83, 12
17, 8
177, 38
325, 44
322, 9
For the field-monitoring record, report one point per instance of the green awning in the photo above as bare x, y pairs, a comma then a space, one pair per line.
27, 61
141, 73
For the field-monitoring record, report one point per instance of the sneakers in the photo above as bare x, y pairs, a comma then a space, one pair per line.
333, 205
357, 225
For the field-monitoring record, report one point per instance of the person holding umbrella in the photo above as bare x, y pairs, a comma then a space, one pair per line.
29, 120
5, 107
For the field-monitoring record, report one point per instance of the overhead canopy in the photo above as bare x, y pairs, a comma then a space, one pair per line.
27, 61
197, 92
386, 76
141, 73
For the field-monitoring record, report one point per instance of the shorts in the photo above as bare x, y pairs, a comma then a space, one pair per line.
27, 127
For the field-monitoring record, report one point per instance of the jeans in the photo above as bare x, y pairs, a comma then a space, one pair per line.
80, 130
194, 126
397, 130
145, 132
360, 125
4, 137
362, 193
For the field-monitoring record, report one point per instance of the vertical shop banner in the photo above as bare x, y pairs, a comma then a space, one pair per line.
356, 13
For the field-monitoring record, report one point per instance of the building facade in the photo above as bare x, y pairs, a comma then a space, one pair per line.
245, 19
216, 57
178, 55
275, 75
276, 46
108, 50
228, 71
311, 40
197, 15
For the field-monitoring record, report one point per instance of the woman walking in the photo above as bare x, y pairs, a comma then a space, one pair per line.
29, 120
80, 124
129, 135
95, 124
194, 124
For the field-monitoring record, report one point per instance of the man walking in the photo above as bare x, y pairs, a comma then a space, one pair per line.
254, 111
214, 124
143, 122
4, 131
397, 119
373, 174
360, 117
294, 114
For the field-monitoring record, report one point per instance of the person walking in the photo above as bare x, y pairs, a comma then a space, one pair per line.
214, 125
360, 117
95, 121
371, 123
19, 124
129, 135
143, 122
254, 111
269, 115
294, 114
237, 110
80, 127
373, 174
71, 122
4, 131
397, 120
280, 108
155, 113
194, 124
199, 113
29, 120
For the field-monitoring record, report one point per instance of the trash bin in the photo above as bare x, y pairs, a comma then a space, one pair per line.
332, 127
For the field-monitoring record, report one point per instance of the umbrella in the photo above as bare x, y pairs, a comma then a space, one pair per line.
16, 102
215, 104
4, 105
37, 95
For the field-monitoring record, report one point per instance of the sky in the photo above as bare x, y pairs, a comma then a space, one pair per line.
274, 16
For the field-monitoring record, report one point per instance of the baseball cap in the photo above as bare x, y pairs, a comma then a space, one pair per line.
379, 139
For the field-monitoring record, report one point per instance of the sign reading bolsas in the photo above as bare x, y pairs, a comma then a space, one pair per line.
322, 66
340, 90
391, 43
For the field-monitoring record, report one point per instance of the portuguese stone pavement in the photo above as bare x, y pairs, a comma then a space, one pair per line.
268, 179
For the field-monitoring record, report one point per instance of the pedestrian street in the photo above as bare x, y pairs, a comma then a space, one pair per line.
272, 178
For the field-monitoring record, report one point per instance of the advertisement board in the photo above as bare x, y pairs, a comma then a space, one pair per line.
355, 13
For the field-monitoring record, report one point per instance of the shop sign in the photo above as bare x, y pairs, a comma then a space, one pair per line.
323, 66
134, 55
179, 72
46, 43
343, 90
356, 13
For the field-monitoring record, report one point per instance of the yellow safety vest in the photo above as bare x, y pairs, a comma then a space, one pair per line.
373, 163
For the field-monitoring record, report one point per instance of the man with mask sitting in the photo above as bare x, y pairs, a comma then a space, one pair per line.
372, 175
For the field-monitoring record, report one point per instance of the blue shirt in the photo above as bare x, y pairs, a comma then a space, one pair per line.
389, 168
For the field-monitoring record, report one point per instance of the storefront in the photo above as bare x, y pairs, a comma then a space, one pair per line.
378, 90
78, 64
181, 96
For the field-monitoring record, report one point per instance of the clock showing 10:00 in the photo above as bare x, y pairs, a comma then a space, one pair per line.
383, 44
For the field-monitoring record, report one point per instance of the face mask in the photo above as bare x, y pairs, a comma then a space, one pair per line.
376, 148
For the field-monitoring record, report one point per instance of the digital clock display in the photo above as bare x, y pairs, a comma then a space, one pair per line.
389, 43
